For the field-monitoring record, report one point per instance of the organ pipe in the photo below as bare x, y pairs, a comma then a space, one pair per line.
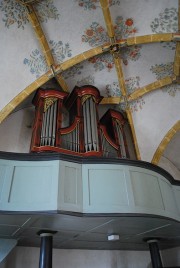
86, 135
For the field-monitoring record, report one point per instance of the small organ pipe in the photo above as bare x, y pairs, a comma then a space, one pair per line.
54, 124
43, 130
121, 140
48, 132
88, 125
96, 127
44, 127
78, 138
93, 124
85, 127
47, 127
50, 125
73, 140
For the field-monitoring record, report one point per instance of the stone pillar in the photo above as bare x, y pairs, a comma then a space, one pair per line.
155, 255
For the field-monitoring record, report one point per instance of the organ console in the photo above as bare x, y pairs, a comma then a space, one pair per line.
86, 135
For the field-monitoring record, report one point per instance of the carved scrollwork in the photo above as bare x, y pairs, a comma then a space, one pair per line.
48, 102
84, 98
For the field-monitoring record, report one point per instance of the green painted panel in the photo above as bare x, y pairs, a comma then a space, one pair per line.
146, 189
31, 186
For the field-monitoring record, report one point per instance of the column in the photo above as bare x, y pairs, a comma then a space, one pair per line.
155, 255
45, 260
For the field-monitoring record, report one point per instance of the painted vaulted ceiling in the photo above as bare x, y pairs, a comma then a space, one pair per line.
128, 49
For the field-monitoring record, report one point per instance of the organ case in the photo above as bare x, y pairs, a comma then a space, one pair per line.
86, 135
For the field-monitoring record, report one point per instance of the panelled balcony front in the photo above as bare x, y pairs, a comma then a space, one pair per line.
64, 183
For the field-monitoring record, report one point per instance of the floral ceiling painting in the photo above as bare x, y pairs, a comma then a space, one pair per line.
166, 22
132, 84
77, 36
96, 35
94, 4
163, 70
37, 62
14, 13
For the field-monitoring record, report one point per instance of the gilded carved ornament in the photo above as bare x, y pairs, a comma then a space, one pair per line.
48, 102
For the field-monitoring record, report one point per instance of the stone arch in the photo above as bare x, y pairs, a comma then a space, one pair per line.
165, 141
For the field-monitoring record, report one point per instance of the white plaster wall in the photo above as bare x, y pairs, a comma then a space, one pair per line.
169, 167
16, 131
16, 44
171, 257
28, 257
158, 116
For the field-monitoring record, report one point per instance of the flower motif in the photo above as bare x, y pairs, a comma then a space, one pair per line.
73, 71
37, 62
132, 84
124, 29
89, 32
166, 22
129, 22
102, 61
15, 13
163, 70
95, 35
94, 4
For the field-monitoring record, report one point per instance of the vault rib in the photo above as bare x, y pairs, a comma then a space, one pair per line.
107, 18
23, 95
141, 91
165, 141
111, 100
151, 38
33, 18
111, 34
176, 67
150, 87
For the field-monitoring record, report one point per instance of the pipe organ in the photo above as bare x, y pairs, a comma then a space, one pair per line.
112, 126
48, 120
86, 135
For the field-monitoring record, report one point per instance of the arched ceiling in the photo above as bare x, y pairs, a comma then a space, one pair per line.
128, 49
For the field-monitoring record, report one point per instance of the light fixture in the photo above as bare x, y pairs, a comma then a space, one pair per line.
113, 237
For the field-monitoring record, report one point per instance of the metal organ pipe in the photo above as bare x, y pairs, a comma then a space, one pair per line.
94, 125
121, 140
70, 137
86, 135
43, 130
48, 132
54, 124
90, 125
85, 128
107, 148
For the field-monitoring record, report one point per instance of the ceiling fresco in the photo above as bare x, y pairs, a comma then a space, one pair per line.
128, 49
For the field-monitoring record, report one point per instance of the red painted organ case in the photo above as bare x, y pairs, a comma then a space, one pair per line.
48, 120
82, 106
112, 130
86, 135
